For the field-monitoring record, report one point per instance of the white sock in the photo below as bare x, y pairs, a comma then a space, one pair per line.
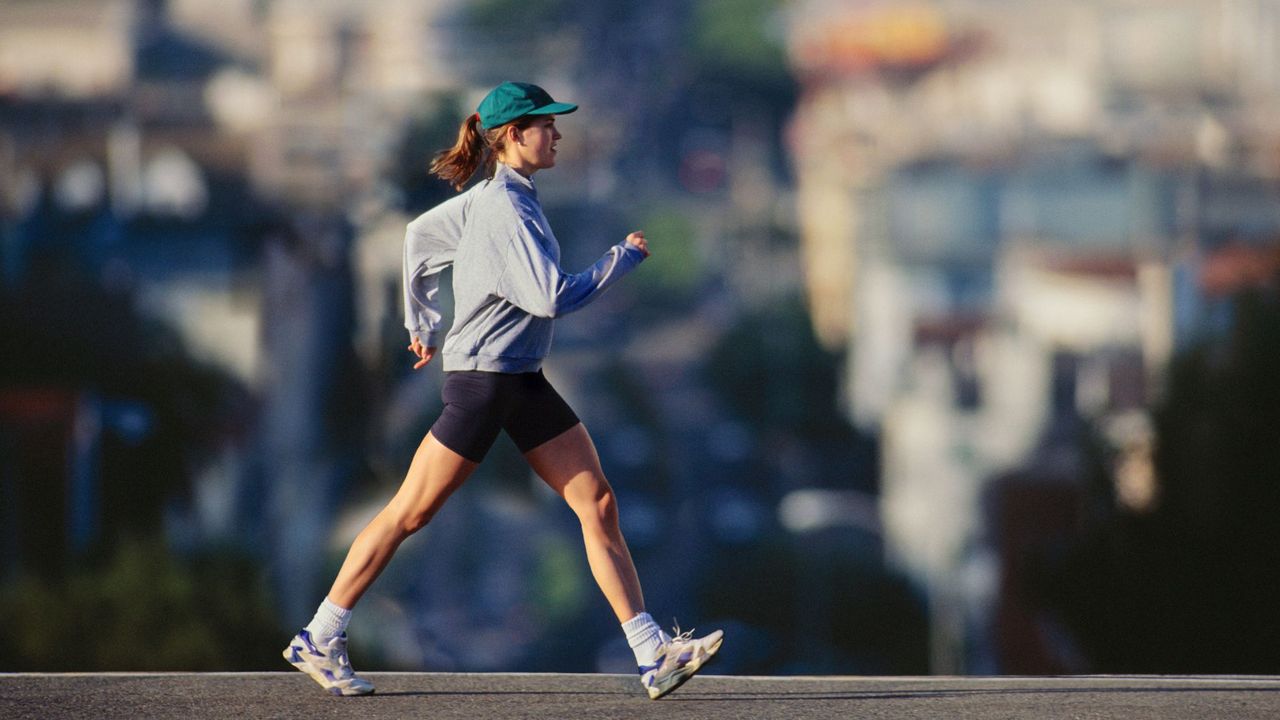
645, 638
330, 621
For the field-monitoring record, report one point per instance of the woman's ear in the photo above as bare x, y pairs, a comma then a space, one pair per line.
514, 135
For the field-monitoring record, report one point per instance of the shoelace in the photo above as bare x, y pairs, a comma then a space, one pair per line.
681, 636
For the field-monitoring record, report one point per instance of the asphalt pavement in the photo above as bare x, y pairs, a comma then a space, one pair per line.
191, 696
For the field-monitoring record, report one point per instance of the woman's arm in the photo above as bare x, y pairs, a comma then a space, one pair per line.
430, 244
535, 283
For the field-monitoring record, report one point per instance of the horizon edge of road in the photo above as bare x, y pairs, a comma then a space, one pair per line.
756, 678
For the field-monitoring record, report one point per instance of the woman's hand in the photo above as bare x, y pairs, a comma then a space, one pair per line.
636, 240
423, 352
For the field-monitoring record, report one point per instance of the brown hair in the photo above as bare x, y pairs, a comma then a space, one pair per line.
473, 148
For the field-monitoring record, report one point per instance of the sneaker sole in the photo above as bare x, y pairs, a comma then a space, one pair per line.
693, 667
319, 677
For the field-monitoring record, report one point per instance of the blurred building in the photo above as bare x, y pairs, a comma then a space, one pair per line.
1009, 215
34, 37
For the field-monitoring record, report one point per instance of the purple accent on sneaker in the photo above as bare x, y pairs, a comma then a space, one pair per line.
311, 647
328, 675
685, 657
336, 691
295, 657
650, 668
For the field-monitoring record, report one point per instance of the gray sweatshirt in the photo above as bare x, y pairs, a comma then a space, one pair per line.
507, 284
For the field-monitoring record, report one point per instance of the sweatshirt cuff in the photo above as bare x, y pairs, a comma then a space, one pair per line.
626, 246
428, 338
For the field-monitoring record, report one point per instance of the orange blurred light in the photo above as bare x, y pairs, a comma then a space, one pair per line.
876, 38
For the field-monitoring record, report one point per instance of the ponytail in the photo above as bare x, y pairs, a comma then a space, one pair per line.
457, 164
474, 147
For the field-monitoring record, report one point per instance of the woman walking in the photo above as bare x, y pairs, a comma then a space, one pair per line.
508, 290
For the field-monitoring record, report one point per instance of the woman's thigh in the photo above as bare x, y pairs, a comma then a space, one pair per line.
569, 464
436, 471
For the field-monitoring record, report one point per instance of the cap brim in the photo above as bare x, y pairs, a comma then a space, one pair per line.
554, 109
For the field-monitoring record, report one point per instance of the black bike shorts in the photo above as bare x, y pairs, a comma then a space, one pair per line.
479, 404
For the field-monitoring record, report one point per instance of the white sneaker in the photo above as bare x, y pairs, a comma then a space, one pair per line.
678, 660
327, 665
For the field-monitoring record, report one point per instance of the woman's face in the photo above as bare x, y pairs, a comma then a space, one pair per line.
534, 147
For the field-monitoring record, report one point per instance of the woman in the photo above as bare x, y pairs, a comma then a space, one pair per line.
508, 289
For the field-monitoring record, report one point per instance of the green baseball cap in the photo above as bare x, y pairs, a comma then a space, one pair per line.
512, 100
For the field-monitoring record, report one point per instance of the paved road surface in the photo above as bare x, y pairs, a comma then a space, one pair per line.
191, 696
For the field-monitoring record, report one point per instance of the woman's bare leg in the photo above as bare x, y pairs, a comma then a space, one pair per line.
436, 471
569, 464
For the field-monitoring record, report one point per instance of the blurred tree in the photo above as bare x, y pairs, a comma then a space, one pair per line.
673, 275
142, 610
86, 340
521, 16
1193, 585
122, 601
743, 40
737, 72
770, 369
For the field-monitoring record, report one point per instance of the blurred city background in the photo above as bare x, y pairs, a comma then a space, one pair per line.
957, 352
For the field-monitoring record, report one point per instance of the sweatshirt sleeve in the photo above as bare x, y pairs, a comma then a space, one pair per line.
534, 282
430, 244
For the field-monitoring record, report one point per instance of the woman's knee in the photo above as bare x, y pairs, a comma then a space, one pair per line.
406, 521
597, 506
414, 522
